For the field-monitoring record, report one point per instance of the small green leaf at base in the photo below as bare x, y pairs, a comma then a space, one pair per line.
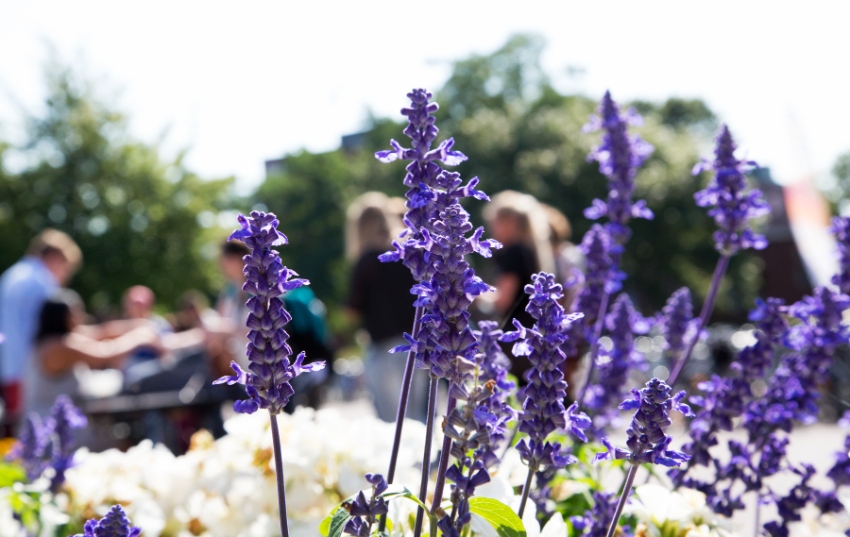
500, 516
337, 523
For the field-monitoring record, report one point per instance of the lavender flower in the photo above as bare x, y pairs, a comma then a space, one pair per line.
431, 189
32, 446
494, 367
614, 363
647, 441
445, 333
619, 156
269, 370
365, 512
594, 523
469, 429
726, 398
50, 443
64, 418
840, 471
114, 524
733, 207
841, 229
677, 323
543, 408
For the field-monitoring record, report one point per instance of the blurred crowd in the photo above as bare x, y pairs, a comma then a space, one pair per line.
160, 367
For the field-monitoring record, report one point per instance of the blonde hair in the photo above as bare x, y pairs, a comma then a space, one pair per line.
53, 241
532, 221
373, 220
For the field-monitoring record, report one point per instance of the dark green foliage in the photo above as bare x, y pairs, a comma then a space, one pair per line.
134, 216
520, 133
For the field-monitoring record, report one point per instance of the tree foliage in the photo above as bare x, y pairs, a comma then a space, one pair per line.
136, 217
521, 133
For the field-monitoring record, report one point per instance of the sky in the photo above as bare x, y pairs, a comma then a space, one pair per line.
239, 85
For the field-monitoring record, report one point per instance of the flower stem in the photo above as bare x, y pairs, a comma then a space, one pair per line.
707, 308
426, 455
627, 488
403, 398
594, 347
278, 463
444, 462
525, 491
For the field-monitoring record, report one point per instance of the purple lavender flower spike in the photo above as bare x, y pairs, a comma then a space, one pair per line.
267, 380
647, 440
594, 523
726, 398
494, 368
733, 206
32, 446
64, 418
114, 524
614, 364
841, 229
619, 156
424, 199
677, 323
365, 512
543, 407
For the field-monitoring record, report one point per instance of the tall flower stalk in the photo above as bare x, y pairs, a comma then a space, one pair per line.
619, 155
733, 206
543, 407
647, 442
114, 524
267, 379
433, 246
424, 202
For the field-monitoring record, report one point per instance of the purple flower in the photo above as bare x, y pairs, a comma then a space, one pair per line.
494, 369
595, 521
841, 229
33, 447
677, 324
614, 363
431, 189
64, 418
733, 205
114, 524
50, 443
266, 279
647, 440
444, 334
619, 156
365, 512
726, 398
543, 408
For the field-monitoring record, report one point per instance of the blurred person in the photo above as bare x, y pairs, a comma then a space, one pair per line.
138, 303
62, 344
518, 221
193, 311
567, 257
380, 299
51, 260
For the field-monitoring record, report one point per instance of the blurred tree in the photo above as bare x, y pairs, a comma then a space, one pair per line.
840, 190
137, 218
520, 133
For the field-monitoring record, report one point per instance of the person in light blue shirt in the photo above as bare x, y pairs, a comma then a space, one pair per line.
50, 261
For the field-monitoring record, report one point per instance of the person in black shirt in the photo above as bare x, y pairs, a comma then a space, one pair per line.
380, 299
517, 221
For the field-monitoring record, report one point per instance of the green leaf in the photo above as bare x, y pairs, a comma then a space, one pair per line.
338, 522
500, 516
398, 491
325, 525
10, 474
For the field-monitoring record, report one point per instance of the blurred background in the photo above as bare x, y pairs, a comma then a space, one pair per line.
142, 129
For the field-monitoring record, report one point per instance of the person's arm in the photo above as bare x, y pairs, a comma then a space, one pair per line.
110, 329
507, 287
61, 355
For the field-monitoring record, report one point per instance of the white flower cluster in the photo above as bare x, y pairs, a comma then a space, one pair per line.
661, 511
226, 488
